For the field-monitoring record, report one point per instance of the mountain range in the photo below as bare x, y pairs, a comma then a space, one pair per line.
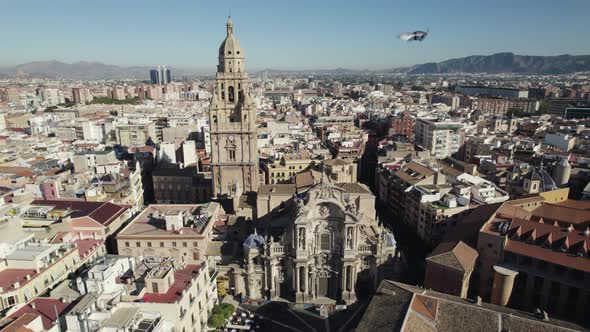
495, 63
78, 70
505, 63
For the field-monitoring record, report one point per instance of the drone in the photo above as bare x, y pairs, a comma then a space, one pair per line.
411, 36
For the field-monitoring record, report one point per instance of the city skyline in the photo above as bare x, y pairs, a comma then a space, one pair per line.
322, 35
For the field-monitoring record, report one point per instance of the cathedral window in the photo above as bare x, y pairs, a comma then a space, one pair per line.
301, 279
232, 154
230, 94
348, 278
325, 241
228, 52
215, 119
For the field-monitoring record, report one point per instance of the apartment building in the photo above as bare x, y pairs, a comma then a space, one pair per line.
129, 135
182, 232
441, 138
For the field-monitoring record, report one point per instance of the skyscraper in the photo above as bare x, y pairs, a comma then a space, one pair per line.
232, 119
155, 76
160, 76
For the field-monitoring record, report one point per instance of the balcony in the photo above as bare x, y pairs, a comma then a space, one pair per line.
367, 249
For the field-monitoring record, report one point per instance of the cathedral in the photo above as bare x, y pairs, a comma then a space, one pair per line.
325, 248
323, 245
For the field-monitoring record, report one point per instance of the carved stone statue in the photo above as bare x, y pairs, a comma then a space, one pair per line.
323, 266
351, 207
300, 209
301, 237
324, 211
349, 238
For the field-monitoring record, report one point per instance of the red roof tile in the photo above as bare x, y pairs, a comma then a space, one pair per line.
44, 307
9, 277
182, 280
87, 247
103, 212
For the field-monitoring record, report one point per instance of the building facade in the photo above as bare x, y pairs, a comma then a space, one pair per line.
329, 248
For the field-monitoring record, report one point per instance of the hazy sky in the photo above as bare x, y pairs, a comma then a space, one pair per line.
287, 34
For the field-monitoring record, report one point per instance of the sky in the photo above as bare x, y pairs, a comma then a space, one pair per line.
287, 34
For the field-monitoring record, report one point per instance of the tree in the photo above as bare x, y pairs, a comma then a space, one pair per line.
227, 309
216, 321
219, 314
543, 107
516, 112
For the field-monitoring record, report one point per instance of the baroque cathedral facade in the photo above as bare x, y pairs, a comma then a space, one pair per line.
325, 245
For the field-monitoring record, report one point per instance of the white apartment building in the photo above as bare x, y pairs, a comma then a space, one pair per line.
51, 97
440, 138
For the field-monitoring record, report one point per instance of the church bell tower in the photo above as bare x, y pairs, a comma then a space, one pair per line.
232, 119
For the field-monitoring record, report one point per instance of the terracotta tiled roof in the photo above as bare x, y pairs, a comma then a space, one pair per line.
44, 307
18, 324
458, 255
182, 280
405, 173
547, 242
102, 212
400, 307
563, 214
88, 246
9, 277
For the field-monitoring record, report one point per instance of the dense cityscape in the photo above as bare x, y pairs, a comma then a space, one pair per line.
285, 200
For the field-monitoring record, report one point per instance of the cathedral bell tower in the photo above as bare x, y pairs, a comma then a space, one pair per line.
232, 119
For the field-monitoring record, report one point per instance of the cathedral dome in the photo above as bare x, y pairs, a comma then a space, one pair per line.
254, 241
547, 183
230, 47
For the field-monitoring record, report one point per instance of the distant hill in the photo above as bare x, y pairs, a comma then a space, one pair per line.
495, 63
505, 63
77, 70
83, 70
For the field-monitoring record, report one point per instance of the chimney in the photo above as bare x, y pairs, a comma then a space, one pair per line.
33, 305
545, 315
28, 277
16, 284
478, 300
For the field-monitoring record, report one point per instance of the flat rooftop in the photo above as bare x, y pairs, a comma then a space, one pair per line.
182, 280
32, 251
151, 221
122, 318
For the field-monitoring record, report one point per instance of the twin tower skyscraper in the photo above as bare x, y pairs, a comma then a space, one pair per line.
160, 75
